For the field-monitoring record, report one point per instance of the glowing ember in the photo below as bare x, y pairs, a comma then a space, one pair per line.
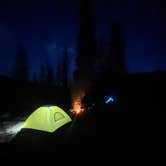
78, 93
77, 107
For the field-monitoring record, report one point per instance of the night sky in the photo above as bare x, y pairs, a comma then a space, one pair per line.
44, 27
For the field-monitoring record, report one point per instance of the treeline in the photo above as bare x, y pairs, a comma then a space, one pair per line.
99, 68
47, 75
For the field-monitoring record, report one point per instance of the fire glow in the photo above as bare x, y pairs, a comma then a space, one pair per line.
77, 94
77, 107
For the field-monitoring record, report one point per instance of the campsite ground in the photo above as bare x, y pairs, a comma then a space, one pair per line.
106, 134
88, 144
126, 136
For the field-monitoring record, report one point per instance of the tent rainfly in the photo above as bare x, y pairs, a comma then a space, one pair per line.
47, 118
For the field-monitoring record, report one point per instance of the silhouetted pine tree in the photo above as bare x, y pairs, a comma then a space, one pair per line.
86, 47
20, 72
100, 56
99, 68
115, 61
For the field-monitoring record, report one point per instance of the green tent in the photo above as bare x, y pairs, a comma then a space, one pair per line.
47, 118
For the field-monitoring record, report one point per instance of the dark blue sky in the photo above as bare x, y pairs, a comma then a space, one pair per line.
46, 26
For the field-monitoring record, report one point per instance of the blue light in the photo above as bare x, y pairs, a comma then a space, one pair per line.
109, 100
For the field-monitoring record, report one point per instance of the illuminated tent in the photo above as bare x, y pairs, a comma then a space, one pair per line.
47, 118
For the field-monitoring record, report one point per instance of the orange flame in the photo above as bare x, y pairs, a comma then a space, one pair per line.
78, 93
77, 107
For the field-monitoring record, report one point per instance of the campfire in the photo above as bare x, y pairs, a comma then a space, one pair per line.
77, 107
78, 93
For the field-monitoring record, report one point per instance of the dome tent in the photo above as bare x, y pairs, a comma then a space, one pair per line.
47, 118
47, 125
